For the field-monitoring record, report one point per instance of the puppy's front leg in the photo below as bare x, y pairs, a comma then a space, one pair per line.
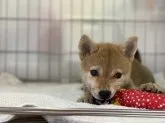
87, 98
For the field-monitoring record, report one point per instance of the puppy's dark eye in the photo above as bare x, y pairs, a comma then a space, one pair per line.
94, 72
118, 75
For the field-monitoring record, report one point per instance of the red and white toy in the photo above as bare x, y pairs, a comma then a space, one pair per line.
140, 99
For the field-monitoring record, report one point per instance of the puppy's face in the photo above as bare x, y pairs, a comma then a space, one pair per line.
105, 67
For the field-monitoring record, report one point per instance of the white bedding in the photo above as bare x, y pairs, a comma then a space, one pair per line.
48, 95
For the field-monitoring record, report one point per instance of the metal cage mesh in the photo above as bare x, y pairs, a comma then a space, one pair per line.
39, 38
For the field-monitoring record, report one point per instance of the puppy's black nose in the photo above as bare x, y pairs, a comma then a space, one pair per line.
104, 94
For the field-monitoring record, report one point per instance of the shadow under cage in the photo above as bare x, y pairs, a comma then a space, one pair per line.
39, 38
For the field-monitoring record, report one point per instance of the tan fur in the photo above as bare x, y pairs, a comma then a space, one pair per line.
109, 58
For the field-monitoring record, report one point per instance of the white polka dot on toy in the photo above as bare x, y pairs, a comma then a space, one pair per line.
159, 98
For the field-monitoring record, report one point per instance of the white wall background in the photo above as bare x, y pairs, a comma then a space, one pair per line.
31, 29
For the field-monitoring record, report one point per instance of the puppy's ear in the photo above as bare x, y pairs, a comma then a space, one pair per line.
86, 46
130, 47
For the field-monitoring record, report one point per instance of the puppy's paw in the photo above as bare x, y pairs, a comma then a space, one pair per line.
81, 99
82, 88
85, 99
151, 87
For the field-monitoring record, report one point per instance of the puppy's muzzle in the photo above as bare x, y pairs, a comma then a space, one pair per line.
104, 96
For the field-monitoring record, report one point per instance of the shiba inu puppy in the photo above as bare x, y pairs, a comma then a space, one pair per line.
108, 67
